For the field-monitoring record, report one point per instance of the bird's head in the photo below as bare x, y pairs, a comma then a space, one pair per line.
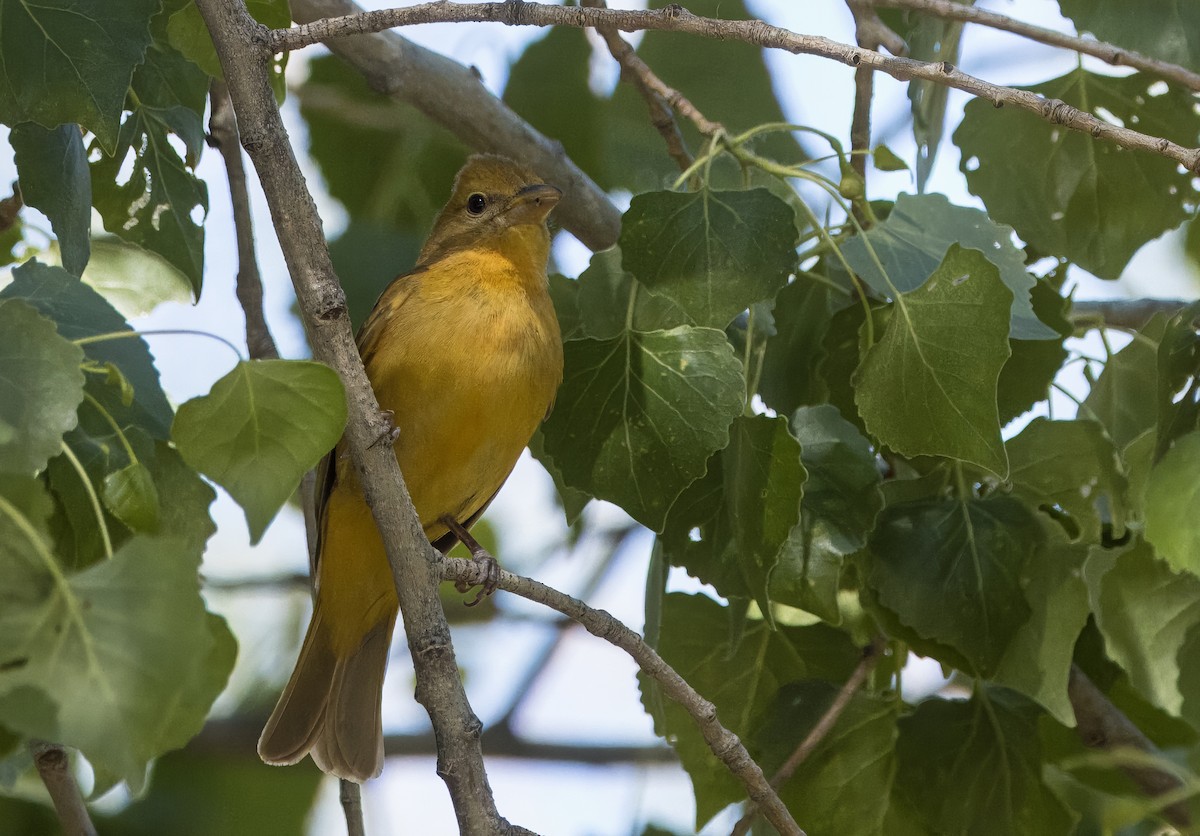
495, 202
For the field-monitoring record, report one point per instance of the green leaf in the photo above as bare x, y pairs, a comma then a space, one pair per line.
131, 496
742, 681
915, 239
172, 88
1071, 465
638, 415
714, 253
1027, 376
260, 429
1144, 610
803, 312
928, 386
52, 166
952, 571
71, 61
41, 388
80, 312
1179, 378
187, 33
1172, 501
886, 159
1159, 28
153, 208
112, 646
843, 785
975, 768
1091, 202
1037, 662
132, 280
367, 256
1189, 675
571, 499
605, 292
566, 110
184, 498
1123, 398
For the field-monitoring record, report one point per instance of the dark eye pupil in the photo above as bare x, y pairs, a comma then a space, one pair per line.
475, 204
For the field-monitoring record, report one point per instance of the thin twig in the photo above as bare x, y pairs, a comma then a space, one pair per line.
223, 135
350, 794
723, 743
54, 767
677, 19
867, 33
636, 72
870, 656
1109, 53
1123, 313
454, 97
1101, 725
245, 58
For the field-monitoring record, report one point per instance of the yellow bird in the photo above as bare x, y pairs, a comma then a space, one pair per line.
466, 352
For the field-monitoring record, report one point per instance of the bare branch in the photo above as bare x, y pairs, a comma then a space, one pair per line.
350, 795
1101, 725
223, 135
241, 45
637, 73
870, 656
453, 96
1109, 53
54, 767
724, 743
868, 34
676, 19
1123, 313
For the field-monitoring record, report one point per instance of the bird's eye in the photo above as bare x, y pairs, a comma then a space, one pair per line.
476, 204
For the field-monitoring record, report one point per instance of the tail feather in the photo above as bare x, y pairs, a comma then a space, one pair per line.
331, 706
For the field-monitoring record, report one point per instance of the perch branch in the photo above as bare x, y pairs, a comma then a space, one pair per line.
1123, 313
676, 19
1101, 725
637, 73
724, 743
1109, 53
241, 45
453, 96
54, 767
350, 795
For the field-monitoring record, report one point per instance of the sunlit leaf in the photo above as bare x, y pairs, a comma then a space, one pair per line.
1172, 501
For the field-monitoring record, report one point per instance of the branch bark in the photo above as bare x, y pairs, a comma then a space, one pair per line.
54, 768
674, 18
723, 743
453, 96
1123, 313
1109, 53
242, 46
350, 796
1101, 725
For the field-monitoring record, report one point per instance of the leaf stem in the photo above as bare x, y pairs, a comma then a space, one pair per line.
92, 497
125, 335
107, 416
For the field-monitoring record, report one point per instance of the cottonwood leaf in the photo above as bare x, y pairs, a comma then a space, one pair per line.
714, 253
605, 292
1179, 378
1031, 368
53, 171
1123, 398
1091, 202
1144, 611
262, 426
928, 387
1171, 505
1189, 675
130, 494
1072, 465
843, 784
41, 387
975, 769
1159, 28
914, 240
133, 280
742, 680
789, 379
951, 570
71, 61
638, 415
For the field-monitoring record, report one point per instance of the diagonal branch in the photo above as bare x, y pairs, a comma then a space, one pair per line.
1109, 53
724, 743
241, 45
674, 18
54, 768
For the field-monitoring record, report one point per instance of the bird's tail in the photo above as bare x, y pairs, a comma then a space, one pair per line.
331, 705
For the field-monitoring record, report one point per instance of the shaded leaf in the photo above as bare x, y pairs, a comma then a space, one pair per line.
1123, 398
1159, 28
713, 253
262, 426
638, 415
53, 171
1171, 505
803, 311
1091, 202
131, 496
1179, 378
928, 386
605, 292
1033, 364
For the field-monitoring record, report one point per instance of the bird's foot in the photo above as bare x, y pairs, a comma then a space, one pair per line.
390, 431
489, 566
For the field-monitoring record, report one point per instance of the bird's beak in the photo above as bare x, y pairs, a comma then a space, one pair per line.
532, 204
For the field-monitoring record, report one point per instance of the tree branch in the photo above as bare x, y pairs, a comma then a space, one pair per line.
350, 796
54, 767
1101, 725
1109, 53
676, 19
241, 45
723, 743
453, 96
1123, 313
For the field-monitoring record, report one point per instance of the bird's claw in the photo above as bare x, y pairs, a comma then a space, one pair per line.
390, 432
